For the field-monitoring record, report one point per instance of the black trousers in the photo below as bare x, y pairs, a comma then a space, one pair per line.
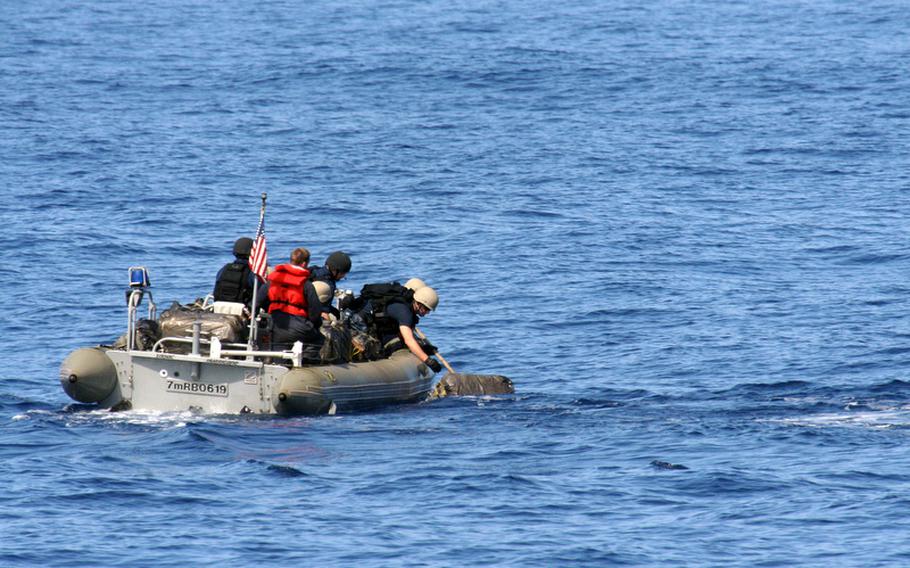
287, 328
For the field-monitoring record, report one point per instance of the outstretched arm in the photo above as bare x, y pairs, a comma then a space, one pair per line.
407, 335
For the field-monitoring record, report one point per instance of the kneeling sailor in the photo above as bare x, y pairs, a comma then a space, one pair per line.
396, 324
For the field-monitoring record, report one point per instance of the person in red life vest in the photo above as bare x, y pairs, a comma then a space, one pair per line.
294, 305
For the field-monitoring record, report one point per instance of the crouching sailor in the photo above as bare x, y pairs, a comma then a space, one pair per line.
336, 268
293, 305
395, 324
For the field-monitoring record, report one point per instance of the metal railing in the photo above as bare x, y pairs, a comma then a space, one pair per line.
133, 301
217, 350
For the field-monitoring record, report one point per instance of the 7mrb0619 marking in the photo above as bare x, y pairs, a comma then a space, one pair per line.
211, 389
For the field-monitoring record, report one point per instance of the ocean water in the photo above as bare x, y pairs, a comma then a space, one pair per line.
680, 227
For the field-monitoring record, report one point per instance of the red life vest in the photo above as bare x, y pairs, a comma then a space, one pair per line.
286, 289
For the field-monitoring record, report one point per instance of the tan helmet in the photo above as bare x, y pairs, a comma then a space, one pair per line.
415, 284
323, 290
427, 296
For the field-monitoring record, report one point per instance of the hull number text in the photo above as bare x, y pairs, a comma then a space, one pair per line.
211, 389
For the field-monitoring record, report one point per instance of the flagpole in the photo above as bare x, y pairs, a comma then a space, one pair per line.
254, 328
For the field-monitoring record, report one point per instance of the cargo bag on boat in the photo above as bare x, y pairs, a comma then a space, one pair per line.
147, 333
177, 321
337, 345
365, 346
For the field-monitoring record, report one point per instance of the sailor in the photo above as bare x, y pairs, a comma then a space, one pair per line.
324, 292
294, 305
235, 280
396, 323
415, 284
336, 267
374, 298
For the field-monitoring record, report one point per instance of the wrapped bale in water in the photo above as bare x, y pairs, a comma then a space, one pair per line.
458, 384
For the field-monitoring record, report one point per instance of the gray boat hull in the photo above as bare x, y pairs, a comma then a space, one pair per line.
156, 381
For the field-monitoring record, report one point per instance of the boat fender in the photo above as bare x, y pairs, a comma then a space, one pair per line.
88, 375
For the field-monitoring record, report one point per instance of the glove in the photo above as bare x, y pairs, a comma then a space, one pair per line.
429, 348
433, 364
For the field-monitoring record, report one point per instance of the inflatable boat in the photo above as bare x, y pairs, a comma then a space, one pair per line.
212, 376
238, 382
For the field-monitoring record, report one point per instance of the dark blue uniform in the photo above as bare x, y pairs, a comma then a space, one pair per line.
323, 274
396, 314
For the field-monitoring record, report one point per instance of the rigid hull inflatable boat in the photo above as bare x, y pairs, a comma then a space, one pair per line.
215, 384
215, 377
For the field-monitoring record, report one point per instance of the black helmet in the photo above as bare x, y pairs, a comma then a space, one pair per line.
338, 262
242, 247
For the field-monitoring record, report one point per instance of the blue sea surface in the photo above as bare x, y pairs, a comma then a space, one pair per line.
680, 227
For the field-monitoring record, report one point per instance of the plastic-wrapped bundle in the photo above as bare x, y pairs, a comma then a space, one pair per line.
457, 384
366, 347
177, 321
147, 333
337, 345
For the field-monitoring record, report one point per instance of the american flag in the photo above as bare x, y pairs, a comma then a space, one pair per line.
259, 256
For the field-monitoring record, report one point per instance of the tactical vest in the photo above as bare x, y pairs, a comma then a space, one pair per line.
286, 290
233, 285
